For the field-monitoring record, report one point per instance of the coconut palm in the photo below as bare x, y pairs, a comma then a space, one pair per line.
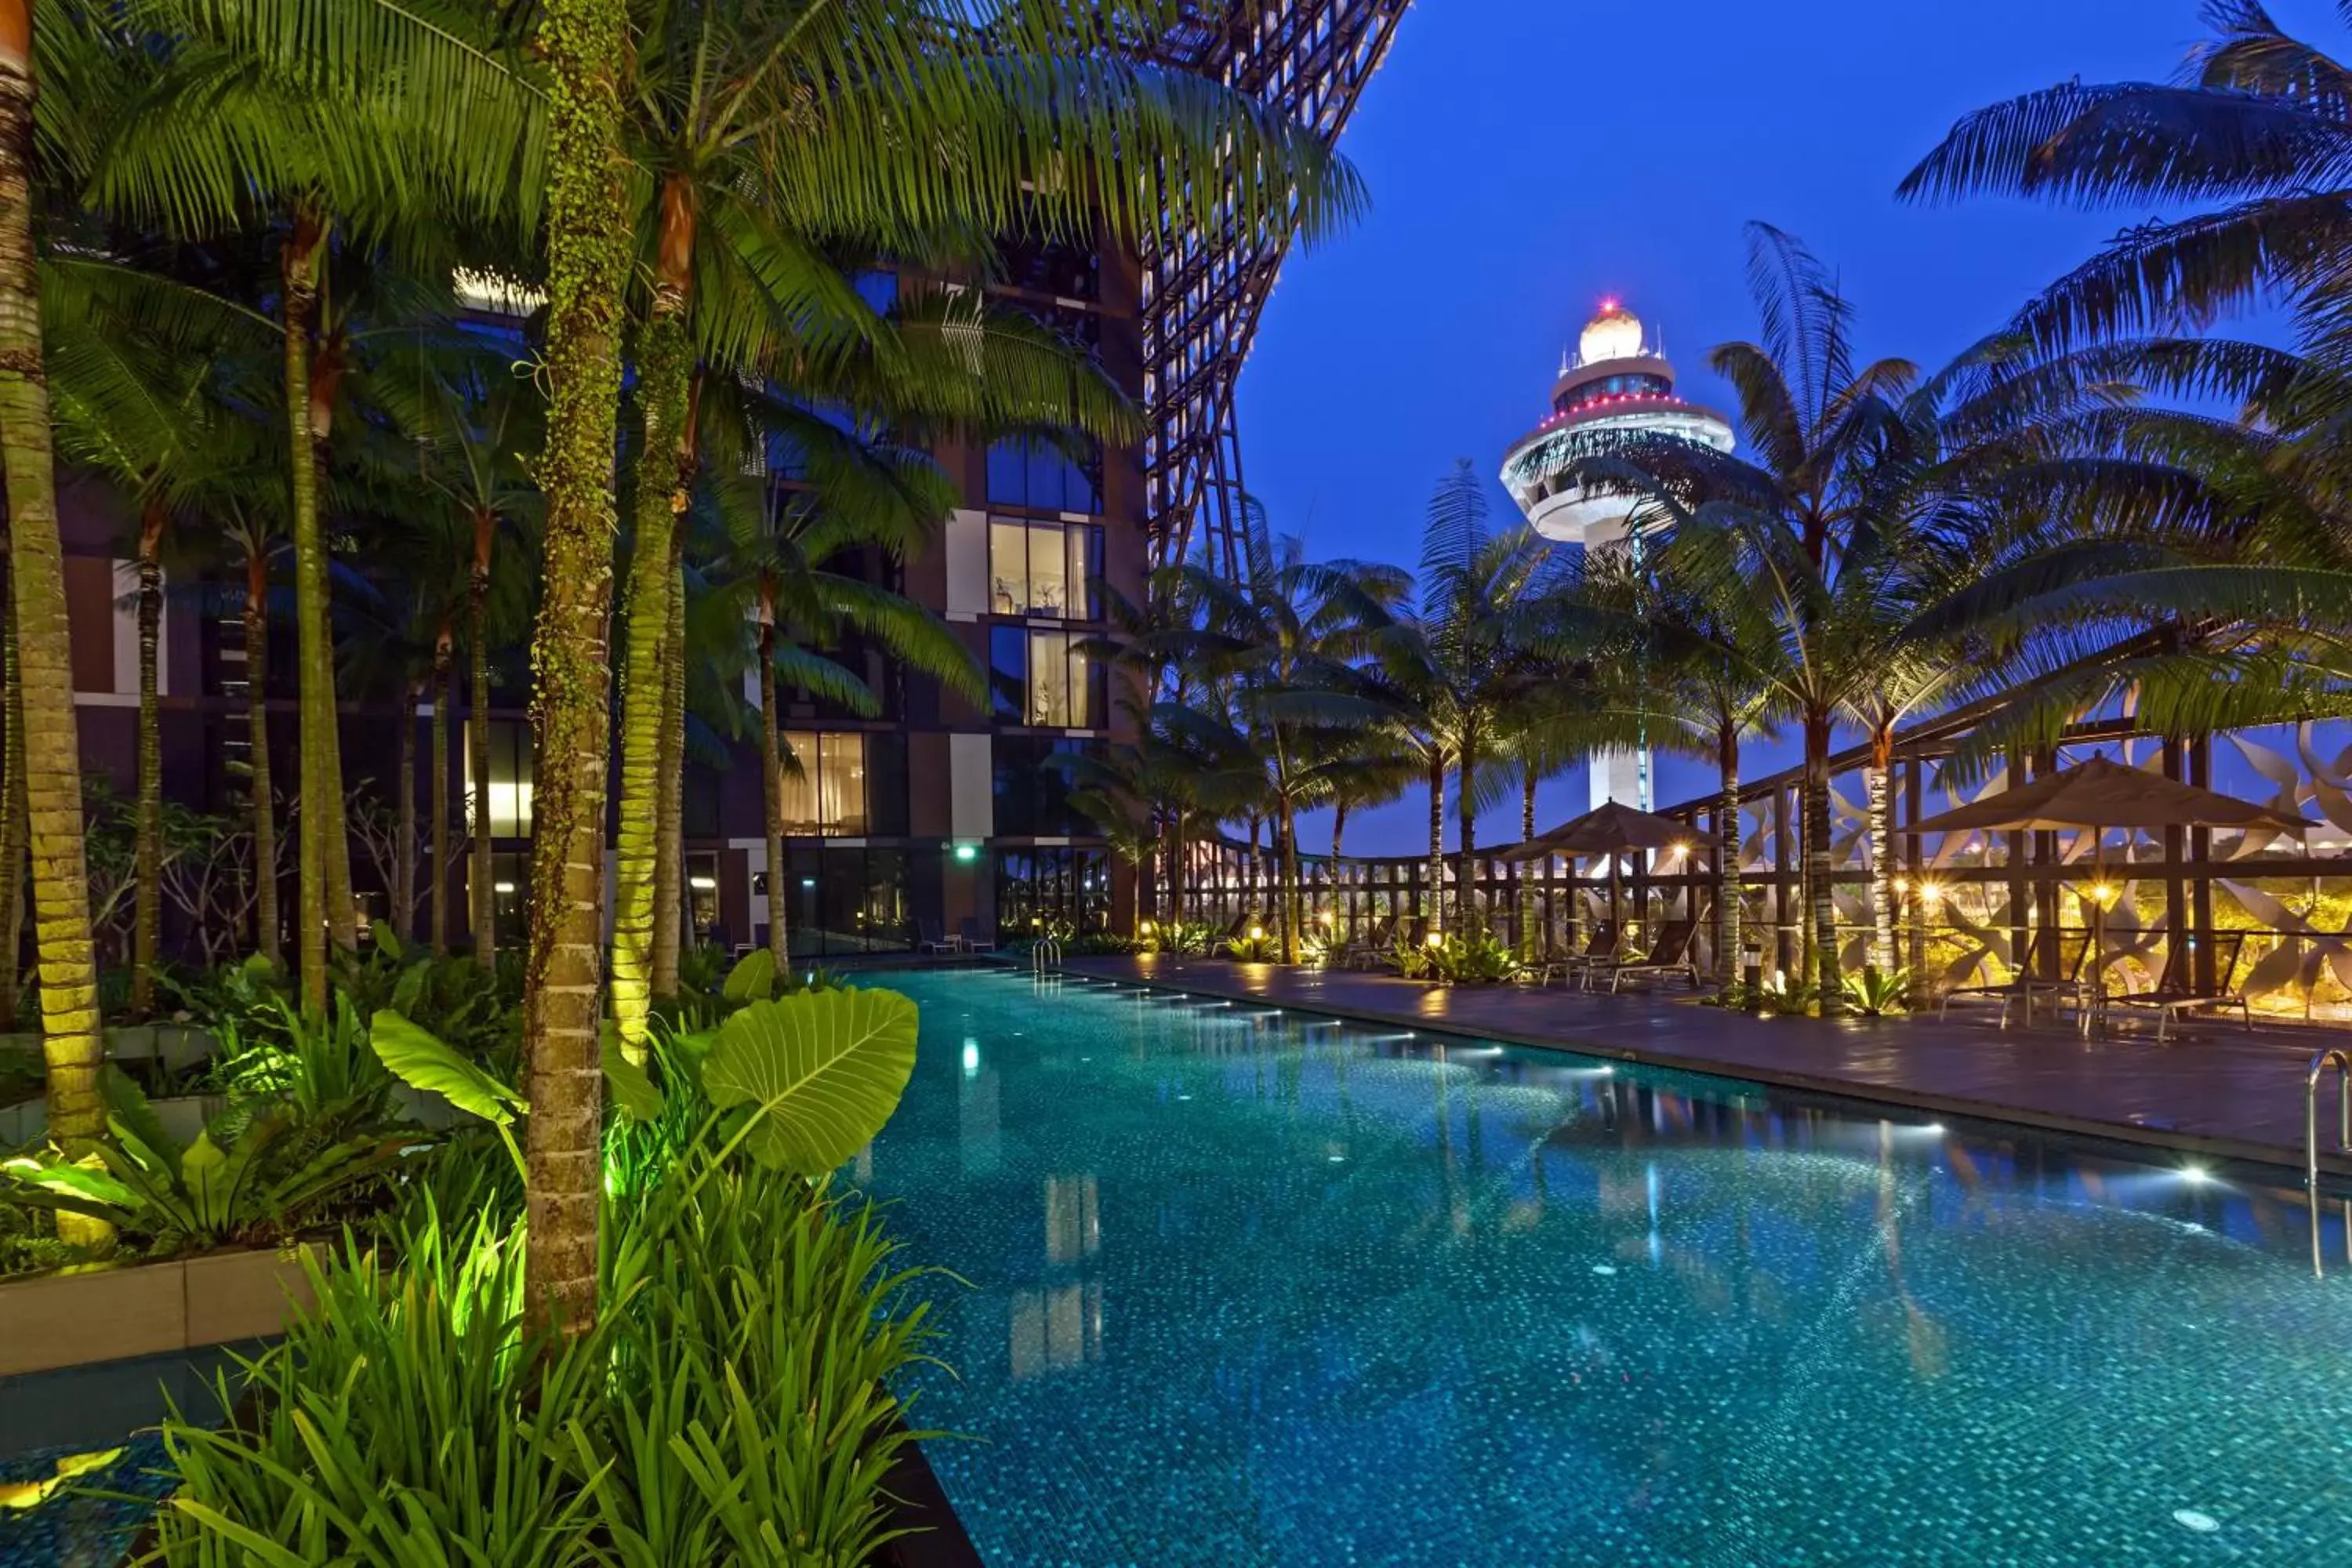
43, 686
582, 44
341, 130
1484, 638
746, 188
2258, 122
1282, 646
473, 420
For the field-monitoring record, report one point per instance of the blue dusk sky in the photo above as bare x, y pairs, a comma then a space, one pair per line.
1527, 157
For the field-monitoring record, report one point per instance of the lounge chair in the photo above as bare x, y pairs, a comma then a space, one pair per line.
931, 939
1669, 954
2073, 947
971, 938
1600, 947
2175, 993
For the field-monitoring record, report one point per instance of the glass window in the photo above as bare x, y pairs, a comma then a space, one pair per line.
1008, 674
1043, 476
510, 778
837, 901
1052, 887
823, 781
1045, 569
1048, 680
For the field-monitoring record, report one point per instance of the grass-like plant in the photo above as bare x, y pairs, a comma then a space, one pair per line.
732, 1404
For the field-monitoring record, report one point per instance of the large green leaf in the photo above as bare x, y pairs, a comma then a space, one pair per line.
822, 1070
633, 1090
423, 1062
753, 978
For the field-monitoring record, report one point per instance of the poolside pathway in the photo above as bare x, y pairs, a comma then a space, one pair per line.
2216, 1088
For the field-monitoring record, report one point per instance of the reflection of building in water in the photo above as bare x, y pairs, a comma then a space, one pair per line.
1055, 1329
1061, 1325
1073, 1226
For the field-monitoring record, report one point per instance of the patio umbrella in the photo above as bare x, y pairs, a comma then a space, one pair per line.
2101, 794
1611, 830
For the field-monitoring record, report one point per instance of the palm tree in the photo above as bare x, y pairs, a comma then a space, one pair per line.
1284, 644
344, 128
746, 187
582, 44
43, 688
473, 420
2257, 123
1485, 637
14, 831
1695, 644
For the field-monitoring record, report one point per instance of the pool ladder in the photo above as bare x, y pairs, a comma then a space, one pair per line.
2339, 1062
1045, 955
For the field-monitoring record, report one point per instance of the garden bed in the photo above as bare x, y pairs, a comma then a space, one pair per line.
147, 1308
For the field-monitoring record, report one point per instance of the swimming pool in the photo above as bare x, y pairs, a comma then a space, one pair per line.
1256, 1289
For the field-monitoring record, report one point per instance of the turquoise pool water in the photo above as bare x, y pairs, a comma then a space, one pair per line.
1258, 1289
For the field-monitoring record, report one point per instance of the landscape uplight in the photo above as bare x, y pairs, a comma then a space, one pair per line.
1257, 933
1433, 939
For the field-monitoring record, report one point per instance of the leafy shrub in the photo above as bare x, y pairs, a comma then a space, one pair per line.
1185, 939
276, 1177
1264, 949
734, 1394
1459, 958
1877, 995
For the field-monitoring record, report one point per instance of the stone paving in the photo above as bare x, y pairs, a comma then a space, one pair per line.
2212, 1088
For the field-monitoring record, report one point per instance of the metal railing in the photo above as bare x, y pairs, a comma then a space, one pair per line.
1044, 954
2339, 1062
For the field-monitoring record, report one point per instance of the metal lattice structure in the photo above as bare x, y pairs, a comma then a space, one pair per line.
1202, 295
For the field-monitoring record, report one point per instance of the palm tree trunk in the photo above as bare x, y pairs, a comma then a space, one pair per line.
403, 840
1726, 859
12, 801
1293, 907
147, 893
1879, 803
1432, 901
256, 719
582, 42
1338, 827
772, 783
670, 837
665, 363
299, 273
1467, 820
70, 1042
445, 692
481, 889
1526, 867
1820, 901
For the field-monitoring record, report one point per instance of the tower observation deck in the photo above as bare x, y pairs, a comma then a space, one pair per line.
1617, 385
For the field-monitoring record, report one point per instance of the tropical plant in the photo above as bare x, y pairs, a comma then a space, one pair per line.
1874, 994
41, 686
278, 1176
1277, 652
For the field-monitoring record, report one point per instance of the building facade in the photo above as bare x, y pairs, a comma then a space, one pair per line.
938, 817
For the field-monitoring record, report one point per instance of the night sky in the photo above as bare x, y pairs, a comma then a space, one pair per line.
1527, 157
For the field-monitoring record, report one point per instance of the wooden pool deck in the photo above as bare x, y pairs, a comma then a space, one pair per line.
2213, 1089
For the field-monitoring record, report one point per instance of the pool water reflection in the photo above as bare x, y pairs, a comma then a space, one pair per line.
1249, 1289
